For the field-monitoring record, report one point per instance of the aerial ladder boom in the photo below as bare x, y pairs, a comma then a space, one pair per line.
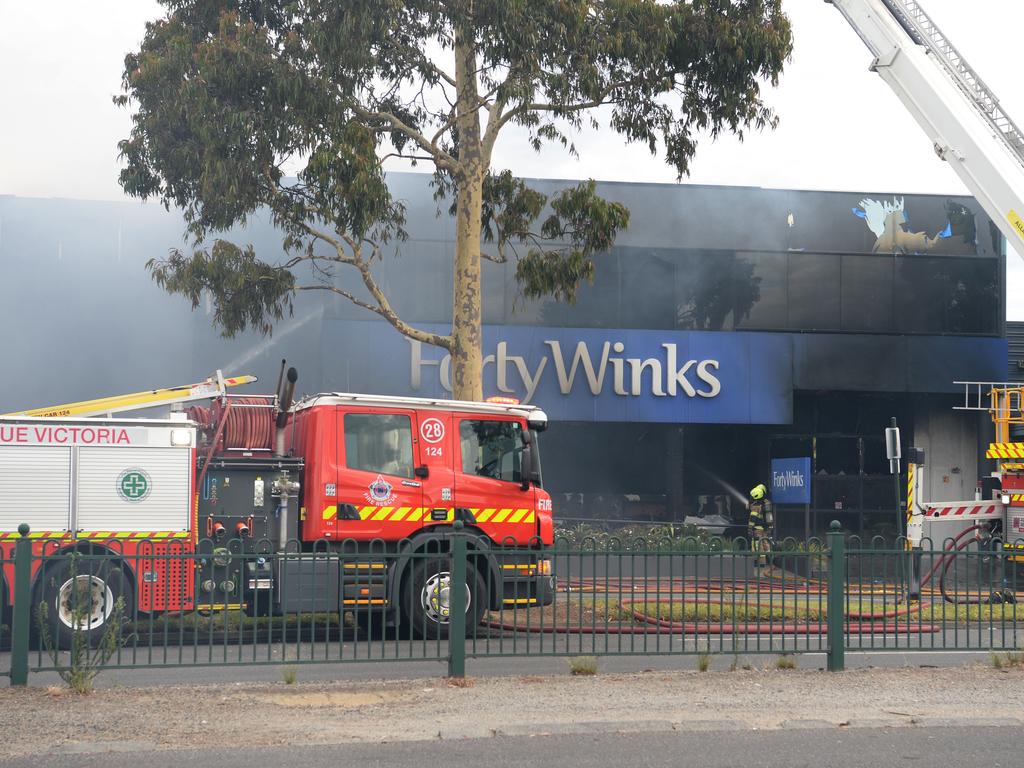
215, 386
958, 112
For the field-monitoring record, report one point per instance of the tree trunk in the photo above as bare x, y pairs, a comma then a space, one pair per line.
467, 357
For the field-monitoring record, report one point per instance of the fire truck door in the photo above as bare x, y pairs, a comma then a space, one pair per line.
488, 478
379, 493
437, 449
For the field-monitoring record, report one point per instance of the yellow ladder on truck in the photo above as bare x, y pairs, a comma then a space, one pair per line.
215, 386
1003, 400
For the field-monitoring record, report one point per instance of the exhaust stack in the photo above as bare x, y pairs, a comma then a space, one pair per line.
285, 393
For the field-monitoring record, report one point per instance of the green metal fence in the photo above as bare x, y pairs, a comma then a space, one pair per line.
6, 567
964, 594
240, 632
663, 597
639, 597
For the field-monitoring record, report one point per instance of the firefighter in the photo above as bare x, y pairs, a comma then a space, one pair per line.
759, 523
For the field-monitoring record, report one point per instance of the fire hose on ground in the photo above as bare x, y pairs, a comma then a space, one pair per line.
673, 592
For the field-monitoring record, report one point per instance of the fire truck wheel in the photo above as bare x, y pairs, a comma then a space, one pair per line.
83, 601
425, 598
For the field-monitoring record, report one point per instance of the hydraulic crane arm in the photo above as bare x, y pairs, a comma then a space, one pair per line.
215, 386
957, 111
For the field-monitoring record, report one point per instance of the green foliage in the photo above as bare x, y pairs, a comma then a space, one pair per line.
234, 621
966, 614
704, 659
814, 546
226, 95
801, 610
590, 224
1007, 660
636, 537
583, 666
786, 661
84, 662
288, 674
251, 293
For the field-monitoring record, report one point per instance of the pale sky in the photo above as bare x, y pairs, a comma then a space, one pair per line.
841, 127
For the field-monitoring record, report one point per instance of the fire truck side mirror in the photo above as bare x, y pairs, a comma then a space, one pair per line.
422, 472
526, 469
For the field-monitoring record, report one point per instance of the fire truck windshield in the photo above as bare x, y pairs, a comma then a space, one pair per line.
494, 449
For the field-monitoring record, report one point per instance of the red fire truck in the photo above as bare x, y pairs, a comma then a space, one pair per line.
338, 502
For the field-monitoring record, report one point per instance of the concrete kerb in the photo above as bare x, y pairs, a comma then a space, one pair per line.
504, 667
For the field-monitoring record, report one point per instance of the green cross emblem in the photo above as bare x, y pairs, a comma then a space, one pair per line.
133, 485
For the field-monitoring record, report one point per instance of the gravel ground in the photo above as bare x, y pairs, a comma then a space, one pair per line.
120, 719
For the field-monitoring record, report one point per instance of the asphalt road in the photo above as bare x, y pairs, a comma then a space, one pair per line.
799, 747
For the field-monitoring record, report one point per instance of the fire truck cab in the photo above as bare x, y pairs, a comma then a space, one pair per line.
392, 468
386, 478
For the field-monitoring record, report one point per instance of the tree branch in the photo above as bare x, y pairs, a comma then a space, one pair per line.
438, 155
494, 125
543, 107
318, 235
417, 334
501, 258
454, 119
403, 156
383, 306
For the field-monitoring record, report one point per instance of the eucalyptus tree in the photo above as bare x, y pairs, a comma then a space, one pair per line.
295, 106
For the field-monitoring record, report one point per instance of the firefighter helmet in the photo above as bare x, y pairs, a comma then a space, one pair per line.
758, 492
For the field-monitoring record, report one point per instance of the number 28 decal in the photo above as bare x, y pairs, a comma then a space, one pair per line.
432, 431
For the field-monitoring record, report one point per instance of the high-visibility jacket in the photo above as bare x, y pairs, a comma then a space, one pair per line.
757, 519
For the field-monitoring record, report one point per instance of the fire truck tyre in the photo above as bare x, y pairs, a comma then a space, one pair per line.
83, 601
425, 599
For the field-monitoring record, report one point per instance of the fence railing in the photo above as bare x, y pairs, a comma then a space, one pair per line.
173, 606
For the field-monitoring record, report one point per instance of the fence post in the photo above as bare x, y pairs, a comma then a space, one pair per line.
836, 593
457, 604
22, 610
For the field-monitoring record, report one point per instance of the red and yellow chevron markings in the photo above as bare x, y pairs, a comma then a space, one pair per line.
1005, 451
492, 515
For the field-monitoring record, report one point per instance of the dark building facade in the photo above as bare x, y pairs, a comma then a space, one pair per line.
1015, 351
728, 327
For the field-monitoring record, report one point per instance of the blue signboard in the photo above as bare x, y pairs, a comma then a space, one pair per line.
583, 374
791, 481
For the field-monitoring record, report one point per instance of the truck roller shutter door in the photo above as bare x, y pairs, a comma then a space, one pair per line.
133, 489
35, 485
